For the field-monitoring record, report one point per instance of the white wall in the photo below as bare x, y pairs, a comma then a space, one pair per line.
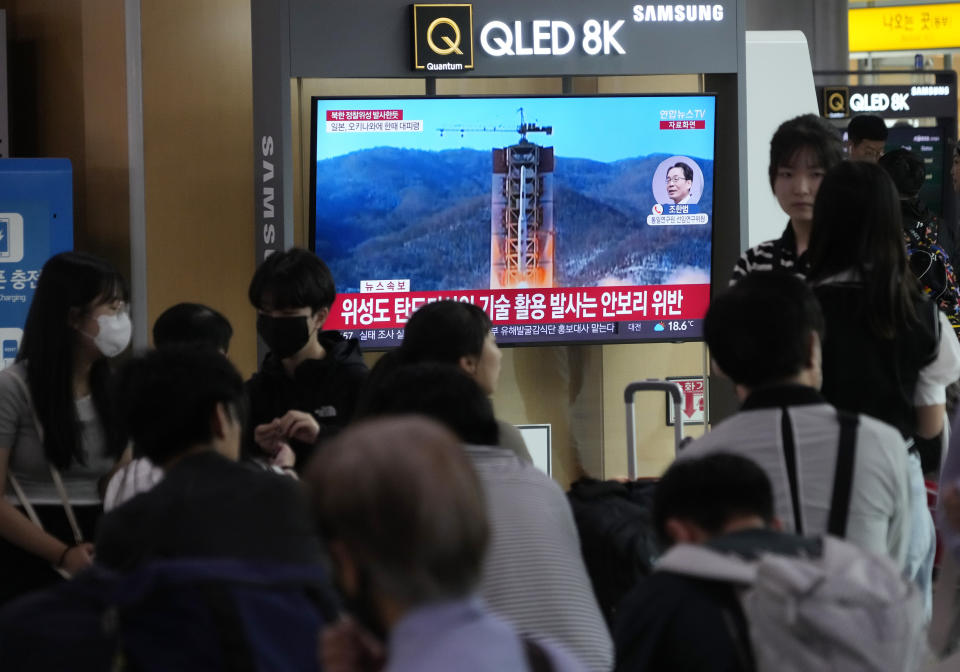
779, 87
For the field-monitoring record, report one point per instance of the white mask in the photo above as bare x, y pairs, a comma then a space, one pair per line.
114, 336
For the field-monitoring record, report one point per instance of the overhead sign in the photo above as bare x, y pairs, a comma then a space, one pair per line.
506, 38
918, 100
904, 27
443, 37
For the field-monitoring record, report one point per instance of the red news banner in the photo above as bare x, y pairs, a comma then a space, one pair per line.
530, 306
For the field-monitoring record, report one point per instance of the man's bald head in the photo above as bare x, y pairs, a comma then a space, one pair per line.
401, 495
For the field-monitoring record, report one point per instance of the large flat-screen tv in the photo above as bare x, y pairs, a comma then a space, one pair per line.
567, 219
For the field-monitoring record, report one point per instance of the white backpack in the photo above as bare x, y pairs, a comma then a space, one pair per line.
845, 610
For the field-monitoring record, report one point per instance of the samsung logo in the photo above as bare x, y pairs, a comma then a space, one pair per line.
677, 13
268, 212
929, 90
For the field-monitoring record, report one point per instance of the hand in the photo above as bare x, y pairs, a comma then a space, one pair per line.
346, 647
285, 457
268, 437
951, 506
298, 425
77, 558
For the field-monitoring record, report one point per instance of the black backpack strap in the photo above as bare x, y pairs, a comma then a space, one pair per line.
790, 457
537, 658
843, 474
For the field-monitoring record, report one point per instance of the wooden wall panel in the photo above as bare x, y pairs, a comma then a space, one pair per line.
198, 159
104, 228
67, 99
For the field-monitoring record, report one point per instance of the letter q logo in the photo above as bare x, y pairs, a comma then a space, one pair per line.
442, 37
453, 46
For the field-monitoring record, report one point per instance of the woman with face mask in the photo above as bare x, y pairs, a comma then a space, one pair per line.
56, 427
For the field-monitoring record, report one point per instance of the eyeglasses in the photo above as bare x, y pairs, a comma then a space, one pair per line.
676, 179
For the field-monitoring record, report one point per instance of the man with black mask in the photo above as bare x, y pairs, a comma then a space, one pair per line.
308, 384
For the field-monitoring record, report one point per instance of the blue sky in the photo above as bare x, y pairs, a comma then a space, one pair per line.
601, 129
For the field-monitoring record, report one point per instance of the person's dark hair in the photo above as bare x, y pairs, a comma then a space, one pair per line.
406, 502
70, 286
759, 330
192, 324
866, 127
710, 492
445, 331
807, 131
906, 169
857, 226
292, 279
441, 391
687, 170
168, 398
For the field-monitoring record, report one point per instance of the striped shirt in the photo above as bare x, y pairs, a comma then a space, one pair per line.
534, 576
771, 255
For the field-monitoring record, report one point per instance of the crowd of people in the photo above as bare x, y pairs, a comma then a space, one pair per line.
355, 520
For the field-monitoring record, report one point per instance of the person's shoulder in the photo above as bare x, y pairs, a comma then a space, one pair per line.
269, 373
511, 439
756, 258
505, 462
725, 435
12, 380
882, 439
141, 512
654, 597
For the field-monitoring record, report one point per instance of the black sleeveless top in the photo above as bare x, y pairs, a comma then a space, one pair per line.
867, 374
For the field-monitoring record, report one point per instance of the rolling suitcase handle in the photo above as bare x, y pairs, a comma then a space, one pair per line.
676, 394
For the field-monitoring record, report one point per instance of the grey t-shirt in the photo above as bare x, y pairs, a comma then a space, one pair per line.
26, 461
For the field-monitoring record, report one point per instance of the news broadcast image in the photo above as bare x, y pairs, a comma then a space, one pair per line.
573, 219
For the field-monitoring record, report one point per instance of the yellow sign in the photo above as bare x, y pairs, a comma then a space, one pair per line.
905, 27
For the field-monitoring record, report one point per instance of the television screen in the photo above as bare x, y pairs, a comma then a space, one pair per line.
567, 219
927, 143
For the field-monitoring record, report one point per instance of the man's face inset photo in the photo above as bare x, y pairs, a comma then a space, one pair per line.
678, 184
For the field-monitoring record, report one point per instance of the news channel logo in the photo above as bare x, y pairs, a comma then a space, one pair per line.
11, 237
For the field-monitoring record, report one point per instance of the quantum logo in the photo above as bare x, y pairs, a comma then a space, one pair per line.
835, 102
442, 37
453, 46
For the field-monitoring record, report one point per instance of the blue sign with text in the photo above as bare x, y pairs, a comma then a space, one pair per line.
36, 222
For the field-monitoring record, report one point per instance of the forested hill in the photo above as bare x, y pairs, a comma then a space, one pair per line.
388, 213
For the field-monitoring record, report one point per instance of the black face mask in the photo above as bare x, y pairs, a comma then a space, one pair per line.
285, 336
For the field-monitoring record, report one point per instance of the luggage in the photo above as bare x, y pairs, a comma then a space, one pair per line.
182, 615
617, 539
614, 519
675, 395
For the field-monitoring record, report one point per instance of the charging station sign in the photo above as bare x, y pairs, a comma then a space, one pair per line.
36, 222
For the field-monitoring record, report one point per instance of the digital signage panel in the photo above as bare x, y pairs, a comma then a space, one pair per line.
567, 219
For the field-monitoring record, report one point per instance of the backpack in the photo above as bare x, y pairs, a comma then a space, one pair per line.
617, 537
182, 615
844, 610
